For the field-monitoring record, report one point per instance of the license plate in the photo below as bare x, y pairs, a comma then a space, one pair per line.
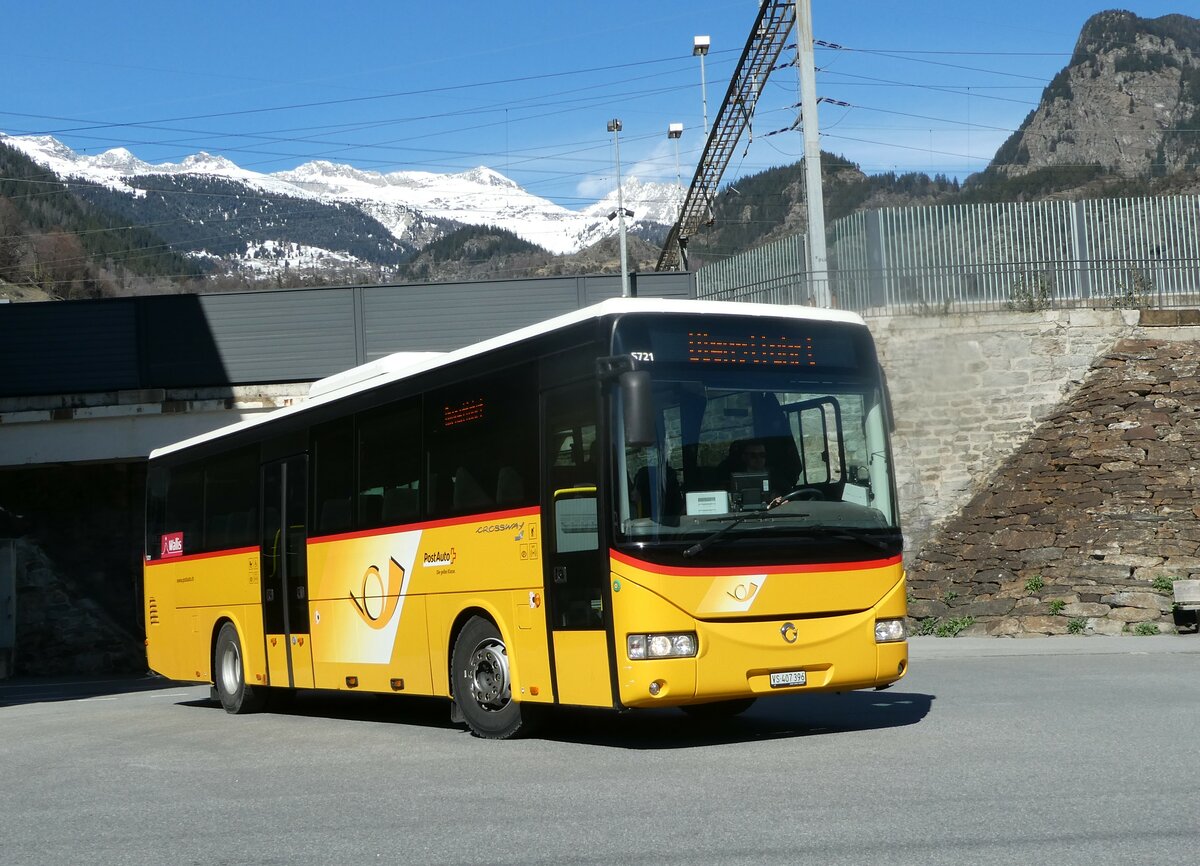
788, 678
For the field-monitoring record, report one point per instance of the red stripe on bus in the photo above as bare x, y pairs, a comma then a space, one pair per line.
192, 557
529, 511
429, 524
678, 571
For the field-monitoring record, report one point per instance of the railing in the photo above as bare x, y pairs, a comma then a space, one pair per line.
1105, 253
1031, 285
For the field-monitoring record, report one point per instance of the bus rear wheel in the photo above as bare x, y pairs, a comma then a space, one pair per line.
229, 675
481, 683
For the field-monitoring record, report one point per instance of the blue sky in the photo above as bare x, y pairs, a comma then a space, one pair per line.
526, 88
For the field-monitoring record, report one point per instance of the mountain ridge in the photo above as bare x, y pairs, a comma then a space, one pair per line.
1128, 101
1122, 118
398, 200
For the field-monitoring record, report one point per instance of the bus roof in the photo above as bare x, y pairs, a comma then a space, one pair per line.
402, 365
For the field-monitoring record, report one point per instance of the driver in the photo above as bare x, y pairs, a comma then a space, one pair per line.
753, 456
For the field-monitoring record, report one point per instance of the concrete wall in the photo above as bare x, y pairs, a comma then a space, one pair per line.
967, 390
126, 425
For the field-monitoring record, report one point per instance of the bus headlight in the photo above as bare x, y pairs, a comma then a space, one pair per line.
661, 646
890, 630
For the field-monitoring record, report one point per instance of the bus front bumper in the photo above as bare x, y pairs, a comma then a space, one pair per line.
752, 659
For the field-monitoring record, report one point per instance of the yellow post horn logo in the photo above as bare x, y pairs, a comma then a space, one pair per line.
377, 601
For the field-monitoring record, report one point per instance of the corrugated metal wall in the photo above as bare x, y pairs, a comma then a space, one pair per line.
180, 341
443, 316
91, 343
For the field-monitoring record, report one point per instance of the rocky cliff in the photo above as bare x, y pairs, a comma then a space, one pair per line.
1128, 102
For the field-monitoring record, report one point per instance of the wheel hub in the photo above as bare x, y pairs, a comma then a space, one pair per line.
489, 676
231, 670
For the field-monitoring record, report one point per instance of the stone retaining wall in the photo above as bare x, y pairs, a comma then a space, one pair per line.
969, 389
1083, 528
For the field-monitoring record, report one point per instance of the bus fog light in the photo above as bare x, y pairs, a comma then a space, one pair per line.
890, 630
661, 646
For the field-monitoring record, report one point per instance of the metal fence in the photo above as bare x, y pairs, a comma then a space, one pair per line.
1126, 252
774, 273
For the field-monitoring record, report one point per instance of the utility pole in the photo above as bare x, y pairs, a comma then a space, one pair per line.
818, 265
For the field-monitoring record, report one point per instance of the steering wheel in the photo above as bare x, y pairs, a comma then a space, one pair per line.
805, 494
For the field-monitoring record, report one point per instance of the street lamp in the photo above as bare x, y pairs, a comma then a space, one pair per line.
700, 49
614, 126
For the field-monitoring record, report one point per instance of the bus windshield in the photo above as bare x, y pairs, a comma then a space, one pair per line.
750, 454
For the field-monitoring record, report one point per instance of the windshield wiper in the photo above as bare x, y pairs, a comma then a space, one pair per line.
703, 543
845, 534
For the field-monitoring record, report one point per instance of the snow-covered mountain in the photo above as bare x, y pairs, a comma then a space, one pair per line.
409, 204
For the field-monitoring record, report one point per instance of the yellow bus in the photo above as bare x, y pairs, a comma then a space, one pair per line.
644, 503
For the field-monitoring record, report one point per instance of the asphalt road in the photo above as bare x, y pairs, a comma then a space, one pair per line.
1062, 750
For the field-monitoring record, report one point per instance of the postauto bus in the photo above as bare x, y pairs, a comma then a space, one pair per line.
644, 503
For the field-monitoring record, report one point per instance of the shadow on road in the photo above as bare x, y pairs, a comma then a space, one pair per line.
351, 706
769, 719
37, 690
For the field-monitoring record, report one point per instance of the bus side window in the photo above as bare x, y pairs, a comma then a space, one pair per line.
230, 504
389, 464
185, 506
510, 487
401, 505
468, 493
479, 445
333, 476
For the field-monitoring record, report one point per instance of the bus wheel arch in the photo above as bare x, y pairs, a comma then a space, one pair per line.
481, 680
229, 672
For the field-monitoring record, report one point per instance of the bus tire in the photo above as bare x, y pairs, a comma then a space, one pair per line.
229, 675
717, 710
482, 686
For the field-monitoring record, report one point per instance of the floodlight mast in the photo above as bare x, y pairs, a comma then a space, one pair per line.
760, 56
614, 126
675, 132
700, 46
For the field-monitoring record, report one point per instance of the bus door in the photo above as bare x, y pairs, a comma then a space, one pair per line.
575, 567
284, 569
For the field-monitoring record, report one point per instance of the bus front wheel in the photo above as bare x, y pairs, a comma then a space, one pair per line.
481, 683
229, 674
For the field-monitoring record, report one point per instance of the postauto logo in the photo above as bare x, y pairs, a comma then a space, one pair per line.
439, 559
